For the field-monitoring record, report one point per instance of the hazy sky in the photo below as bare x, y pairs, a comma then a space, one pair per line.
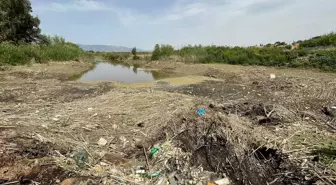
143, 23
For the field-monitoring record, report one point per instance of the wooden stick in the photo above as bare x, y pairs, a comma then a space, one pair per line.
8, 183
145, 153
4, 126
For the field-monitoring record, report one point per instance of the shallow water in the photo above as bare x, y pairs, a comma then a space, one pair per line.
116, 71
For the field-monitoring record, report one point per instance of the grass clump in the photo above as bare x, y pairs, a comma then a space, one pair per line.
327, 154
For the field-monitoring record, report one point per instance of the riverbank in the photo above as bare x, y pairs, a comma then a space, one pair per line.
280, 128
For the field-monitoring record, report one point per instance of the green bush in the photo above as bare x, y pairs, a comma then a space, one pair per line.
265, 56
61, 52
11, 54
323, 40
116, 56
162, 51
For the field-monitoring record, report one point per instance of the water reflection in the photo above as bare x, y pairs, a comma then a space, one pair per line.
118, 71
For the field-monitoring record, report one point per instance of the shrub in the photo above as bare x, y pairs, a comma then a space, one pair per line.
266, 56
323, 40
162, 51
11, 54
116, 56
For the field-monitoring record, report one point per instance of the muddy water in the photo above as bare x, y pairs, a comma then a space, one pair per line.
116, 71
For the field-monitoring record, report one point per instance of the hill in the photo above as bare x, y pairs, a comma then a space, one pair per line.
105, 48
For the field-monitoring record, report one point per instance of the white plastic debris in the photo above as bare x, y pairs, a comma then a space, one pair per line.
57, 117
102, 142
140, 171
272, 76
90, 109
224, 181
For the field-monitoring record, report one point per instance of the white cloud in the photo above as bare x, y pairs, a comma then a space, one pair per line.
224, 22
248, 22
180, 12
75, 5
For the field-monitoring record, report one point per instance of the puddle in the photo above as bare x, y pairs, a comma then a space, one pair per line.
115, 71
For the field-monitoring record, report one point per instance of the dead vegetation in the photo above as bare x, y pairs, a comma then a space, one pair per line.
256, 130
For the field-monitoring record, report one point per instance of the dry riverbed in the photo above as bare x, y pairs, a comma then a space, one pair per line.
255, 130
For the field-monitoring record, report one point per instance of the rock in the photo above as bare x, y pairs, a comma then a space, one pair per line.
224, 181
102, 142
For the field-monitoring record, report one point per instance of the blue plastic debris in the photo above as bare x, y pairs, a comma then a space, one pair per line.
201, 112
81, 158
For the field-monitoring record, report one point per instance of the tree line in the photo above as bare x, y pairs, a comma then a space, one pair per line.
280, 54
21, 40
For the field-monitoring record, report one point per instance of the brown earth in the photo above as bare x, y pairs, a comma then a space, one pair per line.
256, 130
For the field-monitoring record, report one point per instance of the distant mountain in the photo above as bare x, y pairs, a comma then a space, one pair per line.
105, 48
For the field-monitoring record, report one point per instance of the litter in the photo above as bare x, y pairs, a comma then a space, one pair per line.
140, 171
81, 158
154, 151
224, 181
155, 174
272, 76
201, 112
102, 142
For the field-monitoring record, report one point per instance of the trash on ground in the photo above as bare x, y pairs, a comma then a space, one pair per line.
102, 142
155, 174
140, 171
201, 112
81, 158
272, 76
153, 151
224, 181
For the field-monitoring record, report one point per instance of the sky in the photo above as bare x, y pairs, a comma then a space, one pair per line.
144, 23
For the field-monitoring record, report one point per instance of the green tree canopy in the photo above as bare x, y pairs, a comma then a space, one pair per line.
134, 51
16, 22
156, 52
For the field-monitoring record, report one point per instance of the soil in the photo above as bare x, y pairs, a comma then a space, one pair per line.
256, 130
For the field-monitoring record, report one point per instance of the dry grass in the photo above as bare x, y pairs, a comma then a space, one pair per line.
73, 116
177, 81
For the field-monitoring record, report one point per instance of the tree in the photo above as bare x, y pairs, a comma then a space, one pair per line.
134, 53
16, 22
167, 50
156, 53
